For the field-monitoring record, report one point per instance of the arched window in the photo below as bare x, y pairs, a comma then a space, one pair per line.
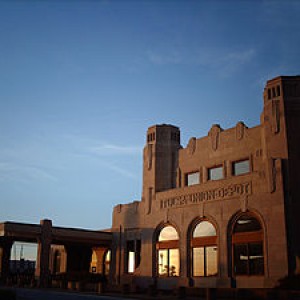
93, 264
247, 246
168, 252
204, 250
106, 262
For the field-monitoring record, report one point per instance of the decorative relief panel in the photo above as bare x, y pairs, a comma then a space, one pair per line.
214, 135
275, 117
149, 156
191, 145
271, 171
201, 210
240, 130
149, 202
244, 204
119, 208
178, 177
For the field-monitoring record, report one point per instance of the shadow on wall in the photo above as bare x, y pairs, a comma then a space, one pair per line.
291, 282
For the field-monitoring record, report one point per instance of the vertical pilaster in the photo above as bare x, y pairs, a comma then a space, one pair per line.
4, 259
44, 244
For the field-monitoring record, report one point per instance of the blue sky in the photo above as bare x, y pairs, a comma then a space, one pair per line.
81, 81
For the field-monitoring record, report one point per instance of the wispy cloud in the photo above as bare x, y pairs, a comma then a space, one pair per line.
223, 62
119, 170
233, 61
110, 149
103, 153
23, 173
51, 159
174, 58
240, 57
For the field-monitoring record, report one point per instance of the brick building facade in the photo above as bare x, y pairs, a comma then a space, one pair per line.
222, 212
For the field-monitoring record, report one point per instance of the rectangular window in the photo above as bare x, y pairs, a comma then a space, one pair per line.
211, 261
198, 261
168, 262
215, 173
174, 262
249, 259
130, 257
241, 167
241, 259
278, 90
205, 261
163, 269
269, 94
133, 258
256, 259
192, 178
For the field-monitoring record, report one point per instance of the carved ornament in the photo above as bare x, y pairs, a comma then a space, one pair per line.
214, 135
191, 145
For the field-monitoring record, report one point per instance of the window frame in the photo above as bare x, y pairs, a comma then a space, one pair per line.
136, 250
106, 263
191, 173
239, 161
220, 166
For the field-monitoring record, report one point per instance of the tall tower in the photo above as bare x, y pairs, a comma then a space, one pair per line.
160, 161
281, 139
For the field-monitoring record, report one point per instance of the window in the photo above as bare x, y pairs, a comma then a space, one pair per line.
278, 90
247, 242
151, 137
168, 252
175, 136
269, 94
241, 167
57, 262
133, 255
215, 173
130, 257
192, 178
204, 250
107, 259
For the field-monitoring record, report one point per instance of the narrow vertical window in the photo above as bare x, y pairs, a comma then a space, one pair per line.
133, 255
107, 259
130, 257
269, 94
273, 92
57, 262
278, 90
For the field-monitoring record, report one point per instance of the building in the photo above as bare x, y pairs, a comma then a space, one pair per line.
222, 212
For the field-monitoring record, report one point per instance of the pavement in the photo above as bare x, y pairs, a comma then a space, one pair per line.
51, 294
41, 294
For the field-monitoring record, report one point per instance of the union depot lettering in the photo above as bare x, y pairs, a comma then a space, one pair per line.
226, 192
